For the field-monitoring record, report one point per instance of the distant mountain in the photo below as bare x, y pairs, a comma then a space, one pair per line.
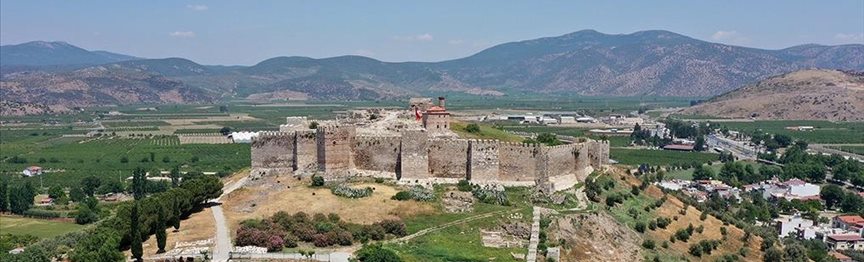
41, 53
586, 62
52, 92
643, 63
800, 95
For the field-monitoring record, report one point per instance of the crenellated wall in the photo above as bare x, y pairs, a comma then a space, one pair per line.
517, 162
335, 144
483, 160
273, 150
376, 153
414, 156
448, 158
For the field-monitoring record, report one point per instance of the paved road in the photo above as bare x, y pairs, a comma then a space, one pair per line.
823, 148
739, 149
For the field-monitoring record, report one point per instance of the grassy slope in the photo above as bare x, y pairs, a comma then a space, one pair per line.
672, 208
486, 132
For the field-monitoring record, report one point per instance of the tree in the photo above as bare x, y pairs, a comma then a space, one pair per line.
21, 198
139, 182
549, 139
161, 236
4, 195
317, 181
76, 194
88, 211
773, 255
700, 143
313, 125
175, 176
795, 252
90, 184
703, 172
225, 130
175, 219
832, 195
472, 128
103, 245
376, 253
135, 233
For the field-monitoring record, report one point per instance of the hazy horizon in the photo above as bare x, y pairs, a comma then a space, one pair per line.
232, 33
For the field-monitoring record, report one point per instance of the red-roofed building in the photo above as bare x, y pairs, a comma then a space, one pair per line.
845, 242
840, 257
848, 222
679, 147
436, 117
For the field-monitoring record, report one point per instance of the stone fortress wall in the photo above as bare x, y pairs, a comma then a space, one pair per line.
413, 156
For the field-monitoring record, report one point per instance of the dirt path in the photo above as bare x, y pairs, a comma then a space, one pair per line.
448, 224
222, 250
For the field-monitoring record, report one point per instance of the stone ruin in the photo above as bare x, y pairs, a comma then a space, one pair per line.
398, 149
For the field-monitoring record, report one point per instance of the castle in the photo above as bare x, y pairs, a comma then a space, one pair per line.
416, 156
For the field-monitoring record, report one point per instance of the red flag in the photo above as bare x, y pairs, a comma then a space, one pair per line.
417, 114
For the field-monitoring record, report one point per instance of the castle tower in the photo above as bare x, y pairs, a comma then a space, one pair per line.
436, 117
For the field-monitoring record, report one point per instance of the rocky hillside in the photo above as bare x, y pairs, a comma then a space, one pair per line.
807, 94
47, 92
585, 62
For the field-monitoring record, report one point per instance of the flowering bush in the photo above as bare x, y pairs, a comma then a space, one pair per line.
350, 192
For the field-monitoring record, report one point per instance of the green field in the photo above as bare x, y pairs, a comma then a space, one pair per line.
659, 157
72, 159
852, 149
825, 132
486, 132
41, 228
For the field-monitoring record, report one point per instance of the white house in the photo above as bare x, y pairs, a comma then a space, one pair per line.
32, 171
789, 225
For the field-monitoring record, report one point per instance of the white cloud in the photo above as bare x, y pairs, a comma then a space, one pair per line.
421, 37
455, 42
849, 37
730, 37
182, 34
197, 7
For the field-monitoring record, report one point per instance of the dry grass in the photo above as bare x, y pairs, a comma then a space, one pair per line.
712, 225
199, 226
263, 198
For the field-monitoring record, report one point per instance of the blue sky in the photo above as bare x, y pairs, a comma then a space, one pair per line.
246, 32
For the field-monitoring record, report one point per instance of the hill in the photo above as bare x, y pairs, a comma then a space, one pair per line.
801, 95
48, 92
41, 53
657, 63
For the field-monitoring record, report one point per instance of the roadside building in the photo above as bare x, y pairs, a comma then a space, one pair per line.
848, 222
793, 189
845, 242
32, 171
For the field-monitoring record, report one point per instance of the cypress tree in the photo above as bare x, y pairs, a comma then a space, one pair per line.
135, 234
4, 197
161, 236
175, 219
139, 181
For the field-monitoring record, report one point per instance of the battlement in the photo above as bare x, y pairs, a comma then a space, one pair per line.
414, 155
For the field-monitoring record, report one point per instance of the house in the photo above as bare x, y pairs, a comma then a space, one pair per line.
16, 251
848, 222
46, 201
845, 242
32, 171
789, 225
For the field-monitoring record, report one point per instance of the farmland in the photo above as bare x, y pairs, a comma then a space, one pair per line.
659, 157
825, 132
41, 228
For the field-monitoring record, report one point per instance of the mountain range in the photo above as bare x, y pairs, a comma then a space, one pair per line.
657, 63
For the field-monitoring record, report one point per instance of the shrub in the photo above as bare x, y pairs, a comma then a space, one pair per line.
703, 216
317, 181
322, 240
472, 128
275, 243
344, 238
648, 244
350, 192
640, 227
416, 193
464, 186
682, 235
395, 227
491, 195
376, 253
290, 241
